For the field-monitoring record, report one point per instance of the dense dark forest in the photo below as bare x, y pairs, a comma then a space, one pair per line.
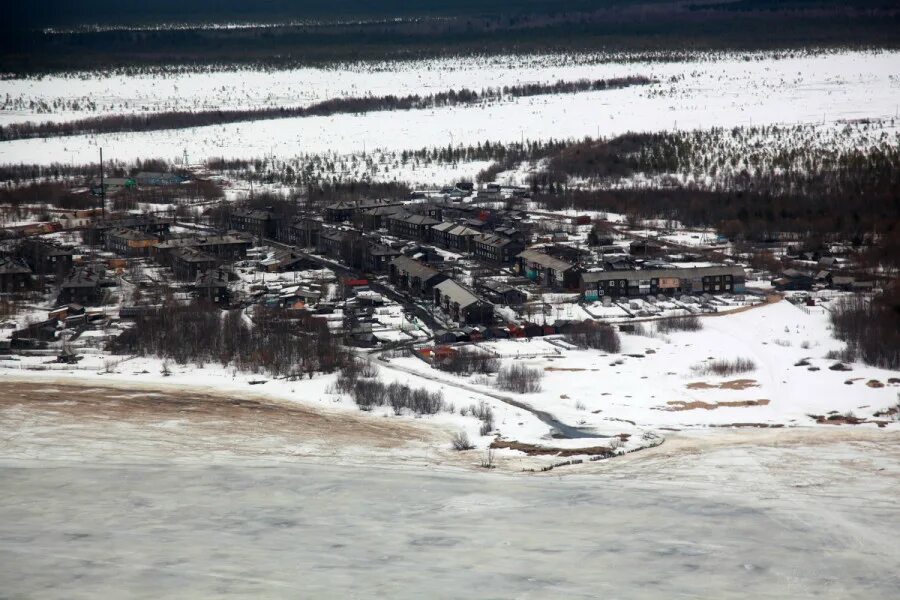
320, 33
185, 119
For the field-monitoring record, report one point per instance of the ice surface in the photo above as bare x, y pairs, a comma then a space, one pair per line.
748, 522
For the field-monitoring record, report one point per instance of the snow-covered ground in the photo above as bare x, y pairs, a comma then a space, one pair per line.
726, 92
656, 382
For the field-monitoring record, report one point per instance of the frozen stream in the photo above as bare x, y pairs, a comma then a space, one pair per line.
777, 521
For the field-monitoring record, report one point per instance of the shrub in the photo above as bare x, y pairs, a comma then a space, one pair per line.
683, 323
461, 442
724, 367
596, 336
466, 362
520, 379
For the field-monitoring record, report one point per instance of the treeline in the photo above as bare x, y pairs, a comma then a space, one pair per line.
200, 333
665, 28
739, 215
333, 106
18, 173
871, 328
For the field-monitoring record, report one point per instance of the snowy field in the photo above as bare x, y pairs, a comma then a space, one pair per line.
725, 92
735, 515
656, 382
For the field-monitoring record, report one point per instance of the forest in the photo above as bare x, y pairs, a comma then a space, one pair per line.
104, 35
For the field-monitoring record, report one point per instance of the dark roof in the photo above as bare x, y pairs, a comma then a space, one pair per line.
545, 260
84, 277
253, 213
191, 255
129, 234
414, 268
688, 273
492, 240
13, 266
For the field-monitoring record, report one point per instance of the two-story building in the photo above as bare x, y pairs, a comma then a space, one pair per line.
129, 242
413, 276
461, 304
188, 263
547, 270
256, 222
496, 249
713, 279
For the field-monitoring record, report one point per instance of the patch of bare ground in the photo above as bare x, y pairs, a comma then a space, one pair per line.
836, 419
567, 369
874, 383
678, 405
734, 384
239, 420
751, 425
535, 450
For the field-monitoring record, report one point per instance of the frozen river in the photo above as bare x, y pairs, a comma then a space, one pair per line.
114, 493
792, 521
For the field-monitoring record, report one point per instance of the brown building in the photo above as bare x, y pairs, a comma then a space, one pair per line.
129, 242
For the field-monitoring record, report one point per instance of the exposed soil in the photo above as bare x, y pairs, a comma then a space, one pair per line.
678, 405
568, 369
735, 384
199, 419
846, 420
535, 450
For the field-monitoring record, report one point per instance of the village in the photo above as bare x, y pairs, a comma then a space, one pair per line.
438, 268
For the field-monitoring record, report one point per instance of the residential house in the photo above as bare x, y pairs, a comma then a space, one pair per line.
15, 276
84, 286
259, 223
150, 178
794, 280
129, 242
188, 263
501, 293
411, 227
112, 185
228, 247
285, 260
347, 210
301, 231
379, 257
212, 285
496, 248
331, 243
411, 275
458, 237
547, 270
715, 279
45, 258
461, 304
148, 223
371, 219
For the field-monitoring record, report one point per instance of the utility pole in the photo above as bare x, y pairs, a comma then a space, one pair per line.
102, 189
